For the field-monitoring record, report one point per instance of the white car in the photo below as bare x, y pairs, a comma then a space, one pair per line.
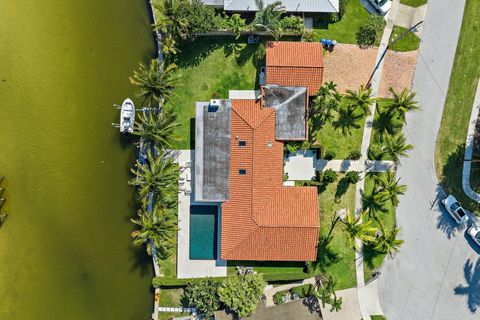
382, 6
474, 232
455, 209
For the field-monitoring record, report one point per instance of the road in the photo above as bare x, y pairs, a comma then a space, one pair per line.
436, 275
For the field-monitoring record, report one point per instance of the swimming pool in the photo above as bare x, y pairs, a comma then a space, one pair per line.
203, 232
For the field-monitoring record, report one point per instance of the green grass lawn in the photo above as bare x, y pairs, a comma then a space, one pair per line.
171, 297
344, 31
333, 140
409, 42
375, 142
458, 106
413, 3
342, 267
377, 317
208, 66
373, 259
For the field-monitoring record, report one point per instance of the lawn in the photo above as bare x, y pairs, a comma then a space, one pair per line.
210, 66
413, 3
170, 298
333, 140
375, 143
409, 42
344, 31
339, 259
373, 259
458, 106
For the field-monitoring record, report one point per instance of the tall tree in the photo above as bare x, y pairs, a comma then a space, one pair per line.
236, 24
324, 290
396, 147
388, 188
156, 128
347, 120
155, 83
158, 230
241, 294
358, 228
203, 295
387, 241
386, 124
268, 18
360, 99
402, 102
171, 22
158, 175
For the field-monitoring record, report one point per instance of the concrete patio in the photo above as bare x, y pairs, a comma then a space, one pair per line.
187, 268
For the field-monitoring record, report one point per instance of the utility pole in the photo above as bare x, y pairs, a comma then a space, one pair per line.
388, 47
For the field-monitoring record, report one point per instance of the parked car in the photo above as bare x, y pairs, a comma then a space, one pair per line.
474, 232
455, 209
381, 6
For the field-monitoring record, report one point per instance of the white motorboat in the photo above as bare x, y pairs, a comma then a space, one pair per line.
127, 116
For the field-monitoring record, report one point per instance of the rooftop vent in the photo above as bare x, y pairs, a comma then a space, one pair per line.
213, 105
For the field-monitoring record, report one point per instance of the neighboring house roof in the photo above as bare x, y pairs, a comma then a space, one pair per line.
295, 64
290, 5
212, 151
290, 104
263, 220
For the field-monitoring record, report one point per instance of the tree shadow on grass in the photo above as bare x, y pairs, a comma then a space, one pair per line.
325, 257
369, 253
342, 188
192, 53
472, 288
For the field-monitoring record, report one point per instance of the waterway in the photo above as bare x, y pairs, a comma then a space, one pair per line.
65, 249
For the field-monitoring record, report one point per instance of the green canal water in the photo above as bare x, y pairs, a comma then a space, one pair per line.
65, 249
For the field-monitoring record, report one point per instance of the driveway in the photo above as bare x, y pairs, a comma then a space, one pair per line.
436, 275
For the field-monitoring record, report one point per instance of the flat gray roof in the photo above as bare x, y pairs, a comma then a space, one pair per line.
290, 111
212, 151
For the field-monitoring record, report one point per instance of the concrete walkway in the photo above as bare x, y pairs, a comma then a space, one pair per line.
368, 298
187, 268
467, 164
350, 307
407, 17
270, 291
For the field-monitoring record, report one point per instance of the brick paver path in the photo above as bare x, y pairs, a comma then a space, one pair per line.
398, 69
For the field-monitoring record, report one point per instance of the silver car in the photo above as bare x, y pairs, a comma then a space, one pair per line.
455, 209
381, 6
474, 232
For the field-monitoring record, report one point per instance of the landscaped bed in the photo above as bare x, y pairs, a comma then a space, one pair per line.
413, 3
409, 42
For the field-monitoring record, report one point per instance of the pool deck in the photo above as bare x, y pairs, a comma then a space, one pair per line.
187, 268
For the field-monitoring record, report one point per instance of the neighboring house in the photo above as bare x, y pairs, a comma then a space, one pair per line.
295, 64
239, 154
290, 5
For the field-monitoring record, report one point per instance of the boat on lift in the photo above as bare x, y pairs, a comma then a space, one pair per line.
127, 116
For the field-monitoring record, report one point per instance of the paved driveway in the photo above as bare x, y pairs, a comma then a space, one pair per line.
437, 273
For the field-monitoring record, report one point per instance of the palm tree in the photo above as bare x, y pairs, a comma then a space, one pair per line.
387, 241
169, 45
158, 175
236, 24
358, 228
402, 102
156, 128
267, 18
171, 22
157, 230
155, 83
361, 99
324, 290
347, 120
396, 147
386, 124
387, 188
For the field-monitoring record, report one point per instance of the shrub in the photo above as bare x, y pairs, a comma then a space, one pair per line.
303, 291
329, 176
241, 294
278, 297
330, 155
354, 155
203, 295
368, 33
308, 36
352, 177
292, 24
200, 18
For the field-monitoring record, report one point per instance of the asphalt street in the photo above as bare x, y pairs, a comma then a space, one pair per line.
436, 275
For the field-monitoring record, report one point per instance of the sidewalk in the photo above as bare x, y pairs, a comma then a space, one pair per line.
467, 164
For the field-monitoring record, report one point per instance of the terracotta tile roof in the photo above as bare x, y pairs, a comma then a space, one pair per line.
263, 220
298, 64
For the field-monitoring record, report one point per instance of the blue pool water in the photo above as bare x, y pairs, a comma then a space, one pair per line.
203, 232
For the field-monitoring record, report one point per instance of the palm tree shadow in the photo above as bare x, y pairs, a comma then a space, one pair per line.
447, 225
312, 304
472, 288
325, 257
142, 262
